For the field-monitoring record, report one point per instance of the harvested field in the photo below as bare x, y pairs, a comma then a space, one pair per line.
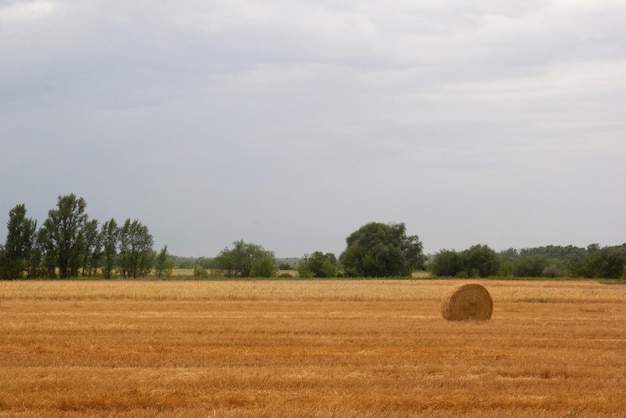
309, 348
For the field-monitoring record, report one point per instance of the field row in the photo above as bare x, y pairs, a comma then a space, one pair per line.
315, 349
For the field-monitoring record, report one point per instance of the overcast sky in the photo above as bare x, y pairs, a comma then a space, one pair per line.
290, 123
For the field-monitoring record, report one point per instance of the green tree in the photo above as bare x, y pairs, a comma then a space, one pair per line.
163, 265
109, 235
136, 255
530, 265
46, 247
64, 234
200, 272
607, 262
480, 261
382, 250
239, 260
318, 265
264, 266
92, 249
16, 253
446, 263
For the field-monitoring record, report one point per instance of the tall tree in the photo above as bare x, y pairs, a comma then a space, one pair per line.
109, 236
163, 266
91, 254
19, 243
64, 233
240, 260
318, 265
480, 261
46, 247
135, 249
382, 250
446, 263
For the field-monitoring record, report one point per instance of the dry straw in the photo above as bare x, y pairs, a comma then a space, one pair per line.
467, 301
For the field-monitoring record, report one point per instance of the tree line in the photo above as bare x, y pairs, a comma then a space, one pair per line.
70, 244
550, 261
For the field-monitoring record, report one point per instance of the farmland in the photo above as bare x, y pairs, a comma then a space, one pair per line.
309, 348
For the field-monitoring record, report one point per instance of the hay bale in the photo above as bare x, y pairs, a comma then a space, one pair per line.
467, 301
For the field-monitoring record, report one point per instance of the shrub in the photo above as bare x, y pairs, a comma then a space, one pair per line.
200, 272
551, 272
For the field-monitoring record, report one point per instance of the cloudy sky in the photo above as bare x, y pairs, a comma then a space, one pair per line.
292, 123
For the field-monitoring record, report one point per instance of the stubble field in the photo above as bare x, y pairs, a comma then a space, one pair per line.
309, 349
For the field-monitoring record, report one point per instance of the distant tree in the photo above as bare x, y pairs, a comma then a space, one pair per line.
551, 271
264, 266
567, 258
476, 261
530, 265
285, 266
109, 235
91, 253
380, 250
509, 254
607, 262
136, 255
480, 261
47, 249
240, 260
200, 272
63, 234
163, 265
446, 263
318, 265
16, 253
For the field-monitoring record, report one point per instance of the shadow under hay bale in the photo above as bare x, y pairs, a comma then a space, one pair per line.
467, 302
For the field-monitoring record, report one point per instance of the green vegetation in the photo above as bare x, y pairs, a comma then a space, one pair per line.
382, 250
70, 244
246, 260
546, 262
477, 261
318, 265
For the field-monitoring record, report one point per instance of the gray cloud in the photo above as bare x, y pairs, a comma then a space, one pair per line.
290, 124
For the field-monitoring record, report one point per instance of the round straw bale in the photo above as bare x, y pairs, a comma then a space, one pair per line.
467, 301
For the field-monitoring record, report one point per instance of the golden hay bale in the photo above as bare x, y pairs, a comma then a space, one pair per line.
467, 301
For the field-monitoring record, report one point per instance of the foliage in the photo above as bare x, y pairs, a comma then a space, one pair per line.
163, 265
382, 250
446, 263
530, 265
607, 262
318, 265
15, 254
200, 272
284, 266
64, 234
240, 260
109, 235
264, 266
136, 256
476, 261
91, 252
481, 261
551, 272
70, 244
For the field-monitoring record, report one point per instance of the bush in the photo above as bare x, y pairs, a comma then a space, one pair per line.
551, 272
200, 272
476, 261
264, 267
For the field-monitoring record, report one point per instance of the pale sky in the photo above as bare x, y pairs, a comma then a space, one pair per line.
290, 123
